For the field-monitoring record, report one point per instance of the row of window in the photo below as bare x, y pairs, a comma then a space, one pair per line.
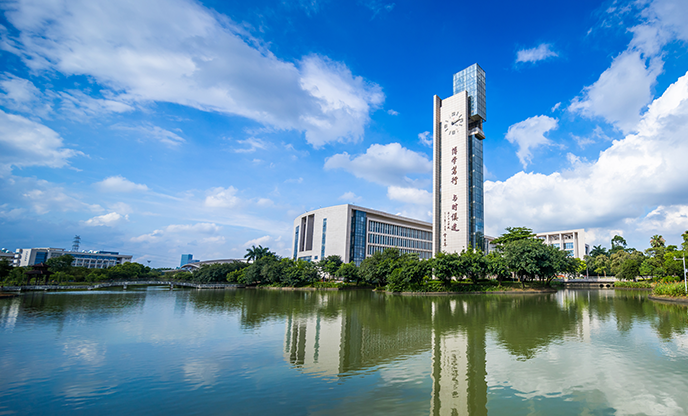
399, 242
422, 254
382, 228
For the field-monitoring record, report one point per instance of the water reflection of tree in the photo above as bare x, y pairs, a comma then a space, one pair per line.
671, 320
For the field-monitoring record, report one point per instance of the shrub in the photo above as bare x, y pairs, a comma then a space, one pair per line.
669, 289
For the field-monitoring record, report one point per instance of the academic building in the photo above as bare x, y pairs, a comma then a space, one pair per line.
458, 214
89, 259
354, 233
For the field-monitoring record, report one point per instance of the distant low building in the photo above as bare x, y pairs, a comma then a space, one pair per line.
186, 259
7, 255
90, 259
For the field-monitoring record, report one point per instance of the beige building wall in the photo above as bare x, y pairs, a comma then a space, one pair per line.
573, 241
450, 174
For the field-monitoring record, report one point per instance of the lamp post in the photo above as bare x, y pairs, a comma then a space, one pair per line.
685, 281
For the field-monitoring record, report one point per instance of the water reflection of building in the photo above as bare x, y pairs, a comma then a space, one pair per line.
353, 341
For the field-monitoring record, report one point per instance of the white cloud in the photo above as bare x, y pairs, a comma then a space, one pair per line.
412, 196
529, 134
110, 219
350, 197
633, 176
555, 107
260, 241
222, 198
78, 105
154, 132
383, 164
119, 184
192, 56
392, 112
665, 219
26, 143
178, 232
22, 95
621, 92
425, 139
46, 197
539, 53
252, 144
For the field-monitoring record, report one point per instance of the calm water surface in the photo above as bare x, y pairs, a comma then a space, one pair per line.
152, 351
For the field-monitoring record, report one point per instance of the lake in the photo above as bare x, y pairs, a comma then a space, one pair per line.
217, 352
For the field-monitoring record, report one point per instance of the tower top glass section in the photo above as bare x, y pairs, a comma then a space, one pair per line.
472, 80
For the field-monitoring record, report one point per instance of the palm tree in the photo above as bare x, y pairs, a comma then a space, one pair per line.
251, 254
254, 253
657, 241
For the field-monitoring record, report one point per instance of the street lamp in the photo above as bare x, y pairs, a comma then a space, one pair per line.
685, 281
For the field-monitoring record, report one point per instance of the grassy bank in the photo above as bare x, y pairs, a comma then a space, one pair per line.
672, 290
488, 286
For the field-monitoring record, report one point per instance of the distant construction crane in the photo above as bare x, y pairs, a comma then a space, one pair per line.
76, 242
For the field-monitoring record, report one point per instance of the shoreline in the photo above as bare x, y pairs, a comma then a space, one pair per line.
669, 299
496, 292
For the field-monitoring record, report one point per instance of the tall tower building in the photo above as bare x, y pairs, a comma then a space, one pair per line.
458, 216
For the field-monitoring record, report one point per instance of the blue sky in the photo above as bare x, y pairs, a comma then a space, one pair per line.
166, 127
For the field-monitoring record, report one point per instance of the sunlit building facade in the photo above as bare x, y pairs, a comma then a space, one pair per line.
354, 233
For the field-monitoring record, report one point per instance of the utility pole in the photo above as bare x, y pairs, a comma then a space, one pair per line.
685, 280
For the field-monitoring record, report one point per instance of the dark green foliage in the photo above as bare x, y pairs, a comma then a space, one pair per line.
376, 269
60, 264
254, 253
216, 273
5, 269
330, 265
349, 273
513, 234
446, 266
409, 273
497, 267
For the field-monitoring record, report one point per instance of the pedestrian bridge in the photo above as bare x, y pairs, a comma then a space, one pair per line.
124, 285
588, 283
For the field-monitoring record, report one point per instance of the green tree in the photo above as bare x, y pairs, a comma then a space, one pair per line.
254, 253
5, 269
513, 234
409, 273
597, 250
473, 264
531, 258
348, 272
329, 265
626, 265
446, 266
657, 241
618, 243
496, 266
299, 273
60, 264
377, 268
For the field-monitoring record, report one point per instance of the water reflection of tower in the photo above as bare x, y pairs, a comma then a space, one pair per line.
312, 343
458, 361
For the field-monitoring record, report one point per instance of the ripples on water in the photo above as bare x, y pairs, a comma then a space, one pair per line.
255, 352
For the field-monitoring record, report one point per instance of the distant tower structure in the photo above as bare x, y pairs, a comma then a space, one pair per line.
76, 242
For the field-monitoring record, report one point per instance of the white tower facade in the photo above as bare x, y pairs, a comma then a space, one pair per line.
458, 216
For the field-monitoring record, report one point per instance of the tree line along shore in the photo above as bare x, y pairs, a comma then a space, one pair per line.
520, 262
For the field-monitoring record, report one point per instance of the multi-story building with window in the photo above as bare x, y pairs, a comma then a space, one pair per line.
354, 233
90, 259
458, 214
571, 241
